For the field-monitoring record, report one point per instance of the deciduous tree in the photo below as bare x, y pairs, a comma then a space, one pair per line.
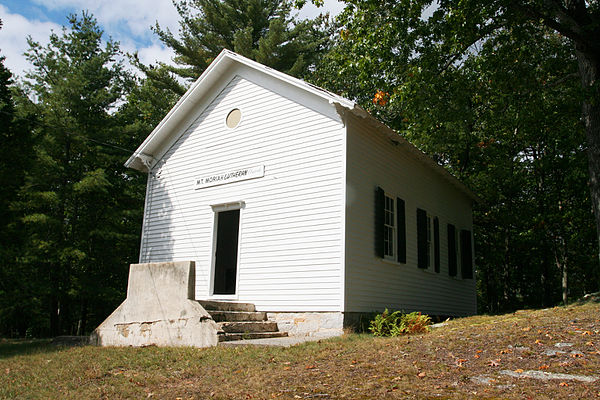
497, 103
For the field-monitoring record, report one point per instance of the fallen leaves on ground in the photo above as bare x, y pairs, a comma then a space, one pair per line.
443, 363
494, 363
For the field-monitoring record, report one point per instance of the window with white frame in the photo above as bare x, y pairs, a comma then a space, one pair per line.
389, 232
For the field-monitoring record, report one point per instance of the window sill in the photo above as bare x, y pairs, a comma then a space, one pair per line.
392, 262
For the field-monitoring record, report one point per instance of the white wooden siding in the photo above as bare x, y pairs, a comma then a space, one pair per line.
291, 248
372, 283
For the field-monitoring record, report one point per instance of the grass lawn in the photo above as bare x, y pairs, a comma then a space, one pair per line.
467, 358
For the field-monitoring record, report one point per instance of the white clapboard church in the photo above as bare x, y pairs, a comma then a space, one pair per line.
295, 206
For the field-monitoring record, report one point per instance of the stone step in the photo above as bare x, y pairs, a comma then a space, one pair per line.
227, 337
215, 305
248, 326
235, 316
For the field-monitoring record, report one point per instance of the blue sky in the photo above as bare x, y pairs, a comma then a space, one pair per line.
127, 21
30, 10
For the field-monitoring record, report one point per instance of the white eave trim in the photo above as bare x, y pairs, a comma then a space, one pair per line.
226, 59
145, 157
411, 148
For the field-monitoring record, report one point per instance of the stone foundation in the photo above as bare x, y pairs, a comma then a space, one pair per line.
314, 324
159, 310
358, 321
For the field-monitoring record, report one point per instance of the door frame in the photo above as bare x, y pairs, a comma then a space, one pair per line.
217, 208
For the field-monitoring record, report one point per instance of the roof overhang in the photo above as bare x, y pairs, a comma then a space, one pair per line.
151, 150
400, 141
148, 153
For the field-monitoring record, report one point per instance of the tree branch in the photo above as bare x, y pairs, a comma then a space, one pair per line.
561, 80
569, 22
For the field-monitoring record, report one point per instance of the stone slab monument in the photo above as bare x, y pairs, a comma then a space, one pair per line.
159, 310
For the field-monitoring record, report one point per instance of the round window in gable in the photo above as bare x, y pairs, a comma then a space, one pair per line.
233, 118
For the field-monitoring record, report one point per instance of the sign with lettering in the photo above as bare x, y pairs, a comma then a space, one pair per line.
236, 175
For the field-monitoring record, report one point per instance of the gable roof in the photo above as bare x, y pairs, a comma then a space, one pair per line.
149, 152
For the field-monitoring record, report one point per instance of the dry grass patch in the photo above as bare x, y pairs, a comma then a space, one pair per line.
463, 359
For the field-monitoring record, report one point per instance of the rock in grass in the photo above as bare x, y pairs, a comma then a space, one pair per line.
549, 375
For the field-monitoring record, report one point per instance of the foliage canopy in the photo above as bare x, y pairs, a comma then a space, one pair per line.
493, 96
78, 210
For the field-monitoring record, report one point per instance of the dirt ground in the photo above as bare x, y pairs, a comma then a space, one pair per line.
537, 354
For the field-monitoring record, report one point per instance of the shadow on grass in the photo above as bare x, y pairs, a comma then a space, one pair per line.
18, 347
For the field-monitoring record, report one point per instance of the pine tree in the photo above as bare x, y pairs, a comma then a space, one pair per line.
263, 30
81, 208
15, 156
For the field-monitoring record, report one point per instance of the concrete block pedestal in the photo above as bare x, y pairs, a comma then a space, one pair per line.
159, 310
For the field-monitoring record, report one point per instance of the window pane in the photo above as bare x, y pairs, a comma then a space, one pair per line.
429, 228
428, 255
389, 222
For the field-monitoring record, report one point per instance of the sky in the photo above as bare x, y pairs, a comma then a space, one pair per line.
126, 21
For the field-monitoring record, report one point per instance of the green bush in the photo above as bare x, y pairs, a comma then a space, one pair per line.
396, 323
415, 322
384, 323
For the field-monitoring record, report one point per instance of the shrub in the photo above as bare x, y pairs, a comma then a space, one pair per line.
396, 323
383, 324
415, 322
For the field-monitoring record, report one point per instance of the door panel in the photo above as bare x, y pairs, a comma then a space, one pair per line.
226, 253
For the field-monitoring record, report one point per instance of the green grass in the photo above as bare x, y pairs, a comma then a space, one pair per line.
439, 364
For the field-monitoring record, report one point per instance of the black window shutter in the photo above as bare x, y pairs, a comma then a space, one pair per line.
401, 229
436, 244
421, 238
379, 221
451, 250
466, 252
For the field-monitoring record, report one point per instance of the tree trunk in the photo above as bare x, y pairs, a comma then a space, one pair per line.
82, 324
564, 284
54, 301
545, 297
507, 298
589, 71
562, 267
54, 317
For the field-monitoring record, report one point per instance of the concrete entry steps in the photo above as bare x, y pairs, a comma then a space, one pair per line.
248, 326
215, 305
222, 316
240, 321
228, 337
